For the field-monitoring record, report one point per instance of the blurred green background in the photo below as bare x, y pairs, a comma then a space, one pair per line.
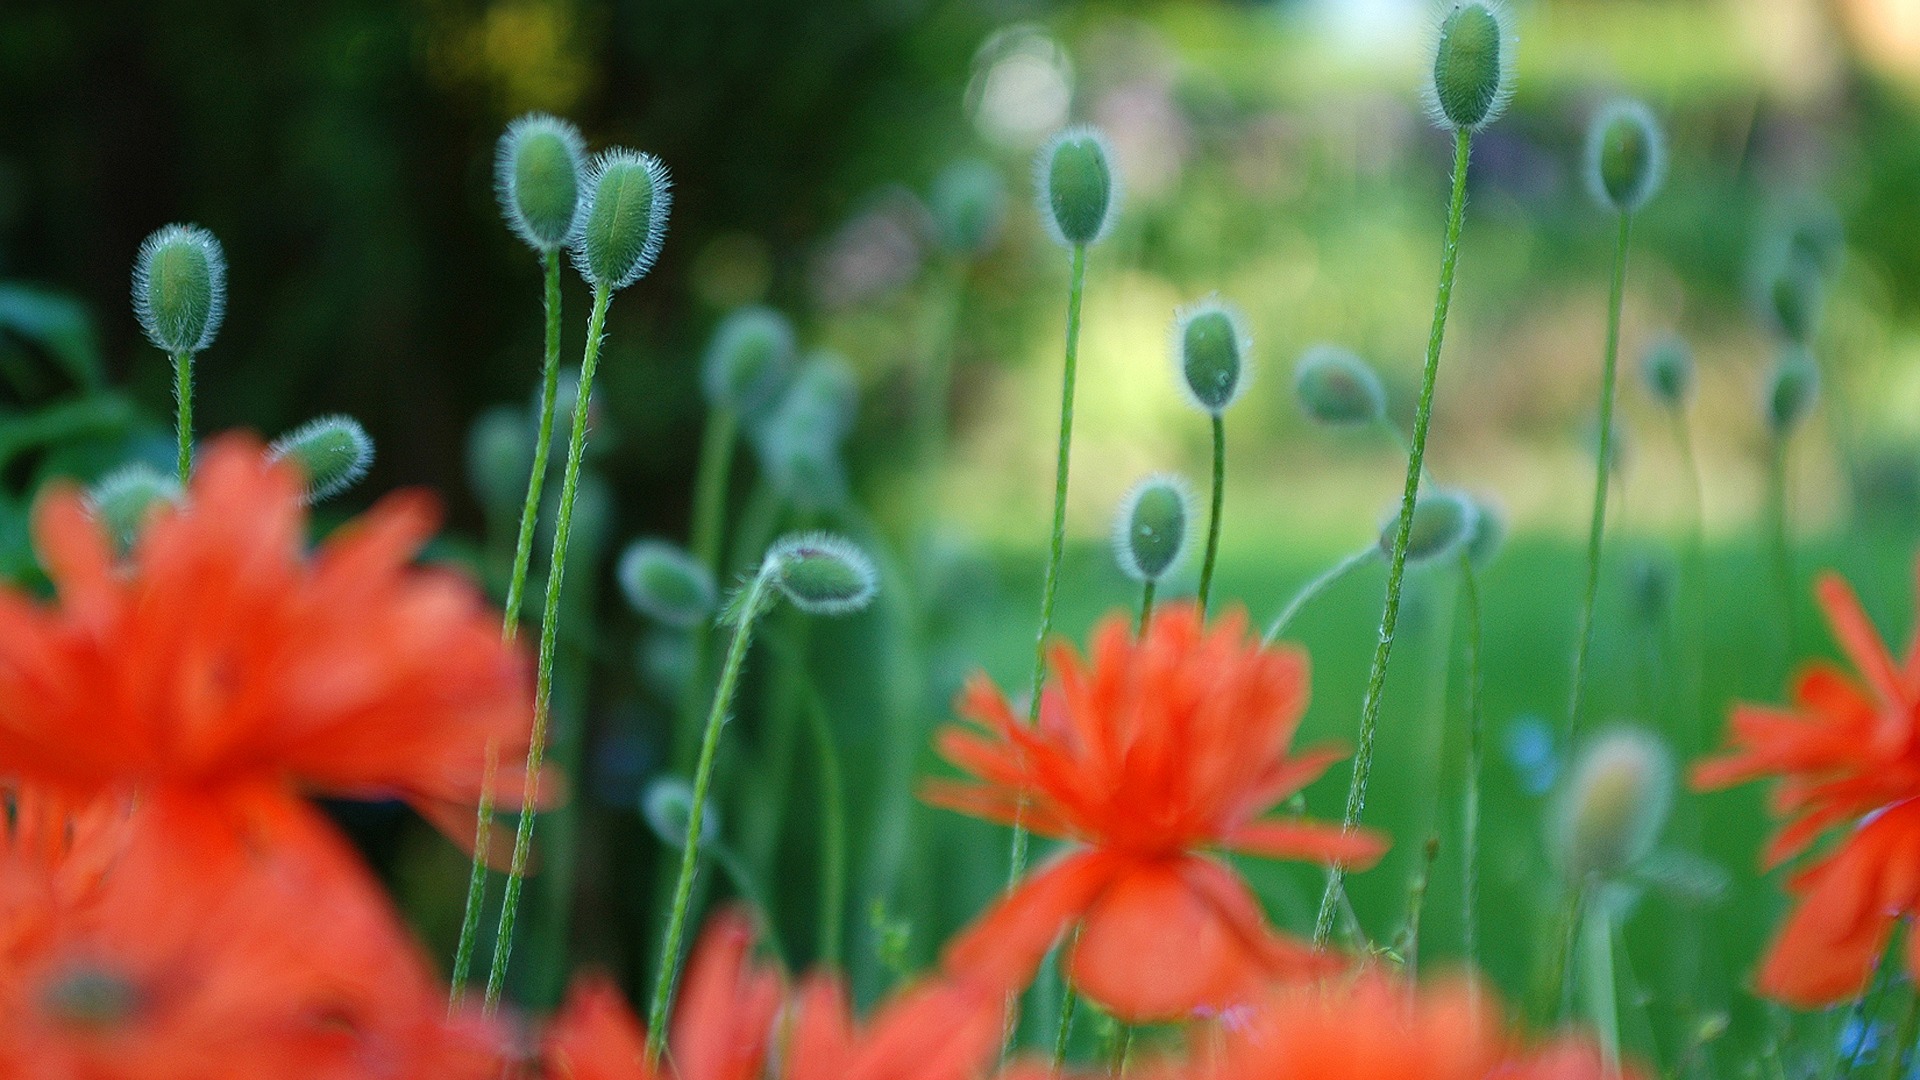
1274, 152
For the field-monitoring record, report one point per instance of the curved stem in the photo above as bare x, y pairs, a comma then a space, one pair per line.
183, 422
1602, 476
1146, 607
1213, 518
702, 779
1314, 588
1397, 562
1470, 809
549, 633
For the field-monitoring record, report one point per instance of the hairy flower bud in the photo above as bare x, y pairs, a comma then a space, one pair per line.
1615, 800
666, 583
1626, 157
1792, 389
625, 218
969, 205
749, 362
1667, 369
1079, 194
333, 453
1442, 521
123, 499
180, 288
1795, 297
1212, 348
537, 171
1472, 65
1150, 531
823, 574
1337, 388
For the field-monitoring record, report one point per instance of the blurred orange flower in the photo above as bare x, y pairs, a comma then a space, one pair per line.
933, 1031
221, 657
721, 1028
1846, 753
1155, 752
152, 943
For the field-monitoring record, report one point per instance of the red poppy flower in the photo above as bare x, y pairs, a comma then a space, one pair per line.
1154, 754
1846, 753
934, 1031
220, 656
154, 943
721, 1028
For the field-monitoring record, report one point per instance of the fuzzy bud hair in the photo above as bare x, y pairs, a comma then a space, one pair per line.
1466, 89
538, 168
180, 288
624, 223
1078, 204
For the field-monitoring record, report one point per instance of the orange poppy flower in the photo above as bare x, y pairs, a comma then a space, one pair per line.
1148, 757
721, 1028
1846, 753
934, 1031
153, 943
221, 657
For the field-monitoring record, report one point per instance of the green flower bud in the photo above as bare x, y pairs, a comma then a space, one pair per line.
1609, 812
499, 460
180, 288
625, 218
1667, 369
1626, 156
123, 499
1795, 298
823, 574
1212, 349
800, 442
1150, 531
668, 806
750, 361
969, 204
537, 169
1472, 65
664, 582
1442, 521
333, 452
1792, 390
1079, 194
1338, 389
1488, 533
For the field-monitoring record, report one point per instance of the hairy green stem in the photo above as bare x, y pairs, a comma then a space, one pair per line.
476, 882
1213, 517
1397, 561
183, 423
1470, 808
1064, 1033
1314, 588
702, 779
549, 633
1146, 607
1602, 476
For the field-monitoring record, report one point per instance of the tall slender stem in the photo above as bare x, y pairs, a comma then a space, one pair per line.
1780, 539
1213, 518
549, 633
1603, 995
833, 832
1064, 1033
1554, 982
1602, 475
702, 778
510, 619
1314, 588
717, 445
1122, 1052
183, 423
1397, 561
1146, 607
1076, 285
1470, 808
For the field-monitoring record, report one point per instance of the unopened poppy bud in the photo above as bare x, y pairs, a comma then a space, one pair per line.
1337, 388
625, 218
749, 362
499, 457
668, 804
1472, 65
123, 499
1791, 391
1609, 813
1667, 369
969, 204
1794, 300
823, 574
664, 582
800, 442
1212, 347
1442, 521
1626, 156
180, 288
537, 171
1078, 193
1488, 533
1150, 531
332, 452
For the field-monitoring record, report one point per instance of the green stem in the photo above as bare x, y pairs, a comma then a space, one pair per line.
1314, 588
1902, 1039
183, 424
1470, 810
1554, 982
1602, 476
1781, 540
1122, 1052
702, 779
1603, 996
1416, 904
549, 633
1213, 518
833, 833
510, 619
1065, 1032
1397, 562
710, 488
1146, 607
